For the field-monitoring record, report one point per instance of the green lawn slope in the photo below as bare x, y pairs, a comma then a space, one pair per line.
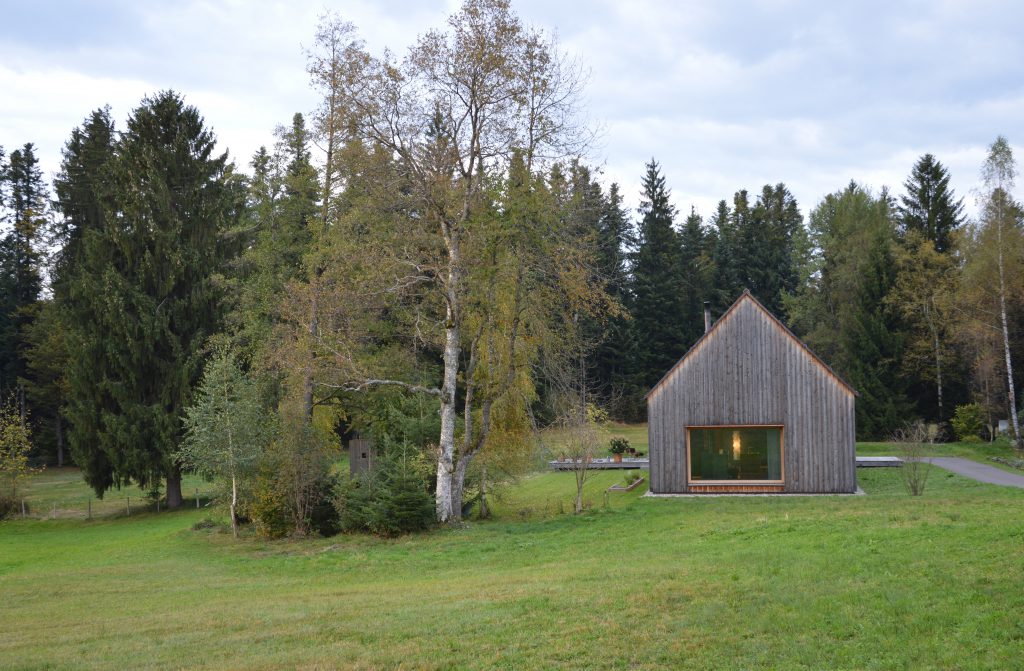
882, 581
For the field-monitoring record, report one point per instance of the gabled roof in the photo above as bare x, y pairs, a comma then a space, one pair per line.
746, 295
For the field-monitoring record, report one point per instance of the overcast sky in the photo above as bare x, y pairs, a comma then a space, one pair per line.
725, 95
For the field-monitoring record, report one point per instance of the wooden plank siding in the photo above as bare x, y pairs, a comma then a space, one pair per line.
749, 369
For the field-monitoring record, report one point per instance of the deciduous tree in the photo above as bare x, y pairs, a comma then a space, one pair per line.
446, 124
227, 429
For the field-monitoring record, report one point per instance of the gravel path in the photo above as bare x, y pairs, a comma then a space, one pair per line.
979, 472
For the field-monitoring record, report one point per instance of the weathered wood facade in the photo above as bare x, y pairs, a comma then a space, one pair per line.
749, 370
361, 455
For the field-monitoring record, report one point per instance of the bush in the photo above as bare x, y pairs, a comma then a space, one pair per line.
914, 440
293, 486
968, 422
618, 445
392, 499
9, 506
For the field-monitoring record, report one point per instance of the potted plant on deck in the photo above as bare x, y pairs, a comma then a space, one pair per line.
618, 446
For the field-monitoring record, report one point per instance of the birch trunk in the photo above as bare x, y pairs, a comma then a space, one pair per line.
929, 315
234, 505
446, 446
1006, 342
452, 350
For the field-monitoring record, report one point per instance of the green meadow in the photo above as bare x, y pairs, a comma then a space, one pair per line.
882, 581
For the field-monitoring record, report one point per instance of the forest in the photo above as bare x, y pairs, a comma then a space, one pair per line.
430, 259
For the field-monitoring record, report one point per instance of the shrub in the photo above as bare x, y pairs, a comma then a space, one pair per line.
618, 445
968, 422
9, 506
597, 415
293, 483
392, 499
15, 445
913, 440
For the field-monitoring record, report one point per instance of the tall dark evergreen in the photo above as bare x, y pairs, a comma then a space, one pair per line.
930, 206
21, 259
77, 187
281, 216
658, 309
726, 281
775, 227
612, 372
145, 297
695, 274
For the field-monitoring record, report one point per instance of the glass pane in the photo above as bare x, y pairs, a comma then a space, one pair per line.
736, 454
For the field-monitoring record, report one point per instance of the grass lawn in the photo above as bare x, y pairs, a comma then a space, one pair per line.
61, 493
881, 581
979, 452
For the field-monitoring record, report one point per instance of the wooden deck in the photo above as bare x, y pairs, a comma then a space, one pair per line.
601, 464
879, 462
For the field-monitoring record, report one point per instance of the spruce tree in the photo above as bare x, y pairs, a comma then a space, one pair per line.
282, 215
843, 311
696, 286
768, 236
658, 310
613, 353
21, 260
145, 296
726, 282
930, 206
79, 188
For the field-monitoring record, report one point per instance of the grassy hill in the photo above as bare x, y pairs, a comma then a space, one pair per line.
868, 582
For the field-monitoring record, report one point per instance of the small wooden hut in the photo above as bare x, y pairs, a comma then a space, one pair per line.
361, 455
751, 409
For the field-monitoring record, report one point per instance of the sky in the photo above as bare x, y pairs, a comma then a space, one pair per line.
724, 95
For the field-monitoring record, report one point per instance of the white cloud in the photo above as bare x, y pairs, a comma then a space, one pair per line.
724, 95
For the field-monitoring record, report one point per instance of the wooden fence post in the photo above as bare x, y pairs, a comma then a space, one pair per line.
88, 514
23, 509
197, 499
129, 500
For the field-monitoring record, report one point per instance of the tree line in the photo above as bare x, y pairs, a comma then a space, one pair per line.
427, 260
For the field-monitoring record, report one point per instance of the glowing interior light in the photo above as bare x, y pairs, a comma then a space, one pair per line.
735, 444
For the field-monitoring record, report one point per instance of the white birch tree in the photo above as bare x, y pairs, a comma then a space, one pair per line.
994, 274
226, 429
447, 125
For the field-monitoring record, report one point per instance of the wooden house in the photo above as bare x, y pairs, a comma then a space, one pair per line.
751, 409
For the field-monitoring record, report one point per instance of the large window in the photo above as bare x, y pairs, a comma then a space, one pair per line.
735, 454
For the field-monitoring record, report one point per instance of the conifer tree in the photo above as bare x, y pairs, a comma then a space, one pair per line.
658, 310
843, 312
726, 282
144, 295
769, 239
696, 286
930, 206
615, 351
21, 261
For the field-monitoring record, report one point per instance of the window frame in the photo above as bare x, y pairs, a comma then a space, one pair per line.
739, 483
